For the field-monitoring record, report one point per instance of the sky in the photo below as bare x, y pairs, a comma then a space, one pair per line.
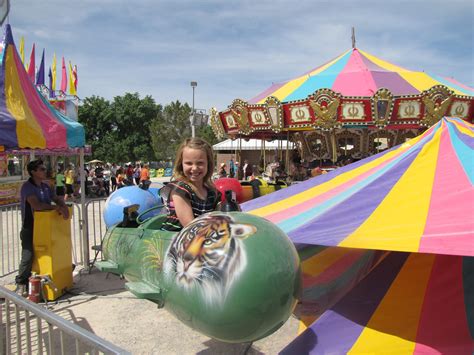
236, 49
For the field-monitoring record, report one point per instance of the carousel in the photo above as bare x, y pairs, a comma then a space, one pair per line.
354, 106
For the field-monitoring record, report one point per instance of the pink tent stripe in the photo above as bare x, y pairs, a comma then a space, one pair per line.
451, 197
54, 133
454, 81
350, 81
438, 321
266, 93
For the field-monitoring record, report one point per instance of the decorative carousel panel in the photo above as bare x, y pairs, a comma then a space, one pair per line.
436, 102
353, 111
325, 103
348, 142
382, 106
460, 109
409, 110
257, 118
240, 111
230, 121
216, 123
380, 140
274, 113
299, 114
317, 144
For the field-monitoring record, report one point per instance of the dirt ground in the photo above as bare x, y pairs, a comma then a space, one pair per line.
99, 303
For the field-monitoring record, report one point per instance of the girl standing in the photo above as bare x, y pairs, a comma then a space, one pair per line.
191, 192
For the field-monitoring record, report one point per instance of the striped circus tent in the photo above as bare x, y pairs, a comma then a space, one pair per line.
415, 197
387, 248
27, 120
358, 73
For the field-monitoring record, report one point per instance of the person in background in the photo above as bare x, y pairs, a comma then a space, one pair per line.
121, 178
136, 174
145, 177
107, 176
129, 174
60, 180
113, 176
247, 169
191, 192
69, 178
239, 170
36, 195
231, 168
222, 171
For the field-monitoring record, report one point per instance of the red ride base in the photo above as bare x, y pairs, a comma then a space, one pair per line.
224, 184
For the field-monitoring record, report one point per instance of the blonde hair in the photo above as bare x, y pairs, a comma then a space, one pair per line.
199, 144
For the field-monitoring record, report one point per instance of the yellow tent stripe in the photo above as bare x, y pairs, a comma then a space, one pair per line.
29, 132
403, 301
419, 80
286, 89
401, 227
294, 84
466, 131
331, 184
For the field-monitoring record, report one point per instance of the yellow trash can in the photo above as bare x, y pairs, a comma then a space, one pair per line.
53, 251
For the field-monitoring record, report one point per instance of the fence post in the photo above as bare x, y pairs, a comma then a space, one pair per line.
84, 225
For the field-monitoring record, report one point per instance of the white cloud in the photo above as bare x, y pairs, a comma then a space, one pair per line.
238, 48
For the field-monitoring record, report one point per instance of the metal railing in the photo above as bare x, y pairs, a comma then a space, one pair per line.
10, 226
26, 327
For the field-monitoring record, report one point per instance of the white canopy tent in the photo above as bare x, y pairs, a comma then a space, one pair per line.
251, 144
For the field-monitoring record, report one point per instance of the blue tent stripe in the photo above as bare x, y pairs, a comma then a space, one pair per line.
323, 80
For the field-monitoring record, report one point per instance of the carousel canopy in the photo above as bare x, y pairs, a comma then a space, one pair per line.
358, 73
354, 91
415, 197
27, 120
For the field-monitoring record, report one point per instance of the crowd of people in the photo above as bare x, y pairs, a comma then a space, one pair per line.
101, 179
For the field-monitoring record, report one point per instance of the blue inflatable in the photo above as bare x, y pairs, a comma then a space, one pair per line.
126, 196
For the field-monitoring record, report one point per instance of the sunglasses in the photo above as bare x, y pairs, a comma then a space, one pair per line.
41, 168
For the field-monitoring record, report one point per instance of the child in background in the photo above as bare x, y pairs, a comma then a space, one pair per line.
191, 192
69, 182
60, 190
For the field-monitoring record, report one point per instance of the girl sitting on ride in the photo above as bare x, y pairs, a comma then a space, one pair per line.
191, 192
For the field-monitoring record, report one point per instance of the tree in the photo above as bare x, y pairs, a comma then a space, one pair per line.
169, 129
206, 133
119, 131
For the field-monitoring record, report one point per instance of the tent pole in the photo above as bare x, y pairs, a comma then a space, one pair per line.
287, 158
84, 222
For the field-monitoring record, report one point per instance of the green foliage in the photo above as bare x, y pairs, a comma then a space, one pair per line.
169, 129
119, 131
206, 133
131, 129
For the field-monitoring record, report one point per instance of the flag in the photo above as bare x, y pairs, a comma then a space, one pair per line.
22, 49
51, 91
53, 74
74, 72
72, 88
31, 66
40, 74
63, 77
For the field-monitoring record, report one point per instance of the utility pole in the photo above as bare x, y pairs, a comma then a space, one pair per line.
193, 130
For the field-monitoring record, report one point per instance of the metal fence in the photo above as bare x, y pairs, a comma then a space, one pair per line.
10, 222
26, 327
